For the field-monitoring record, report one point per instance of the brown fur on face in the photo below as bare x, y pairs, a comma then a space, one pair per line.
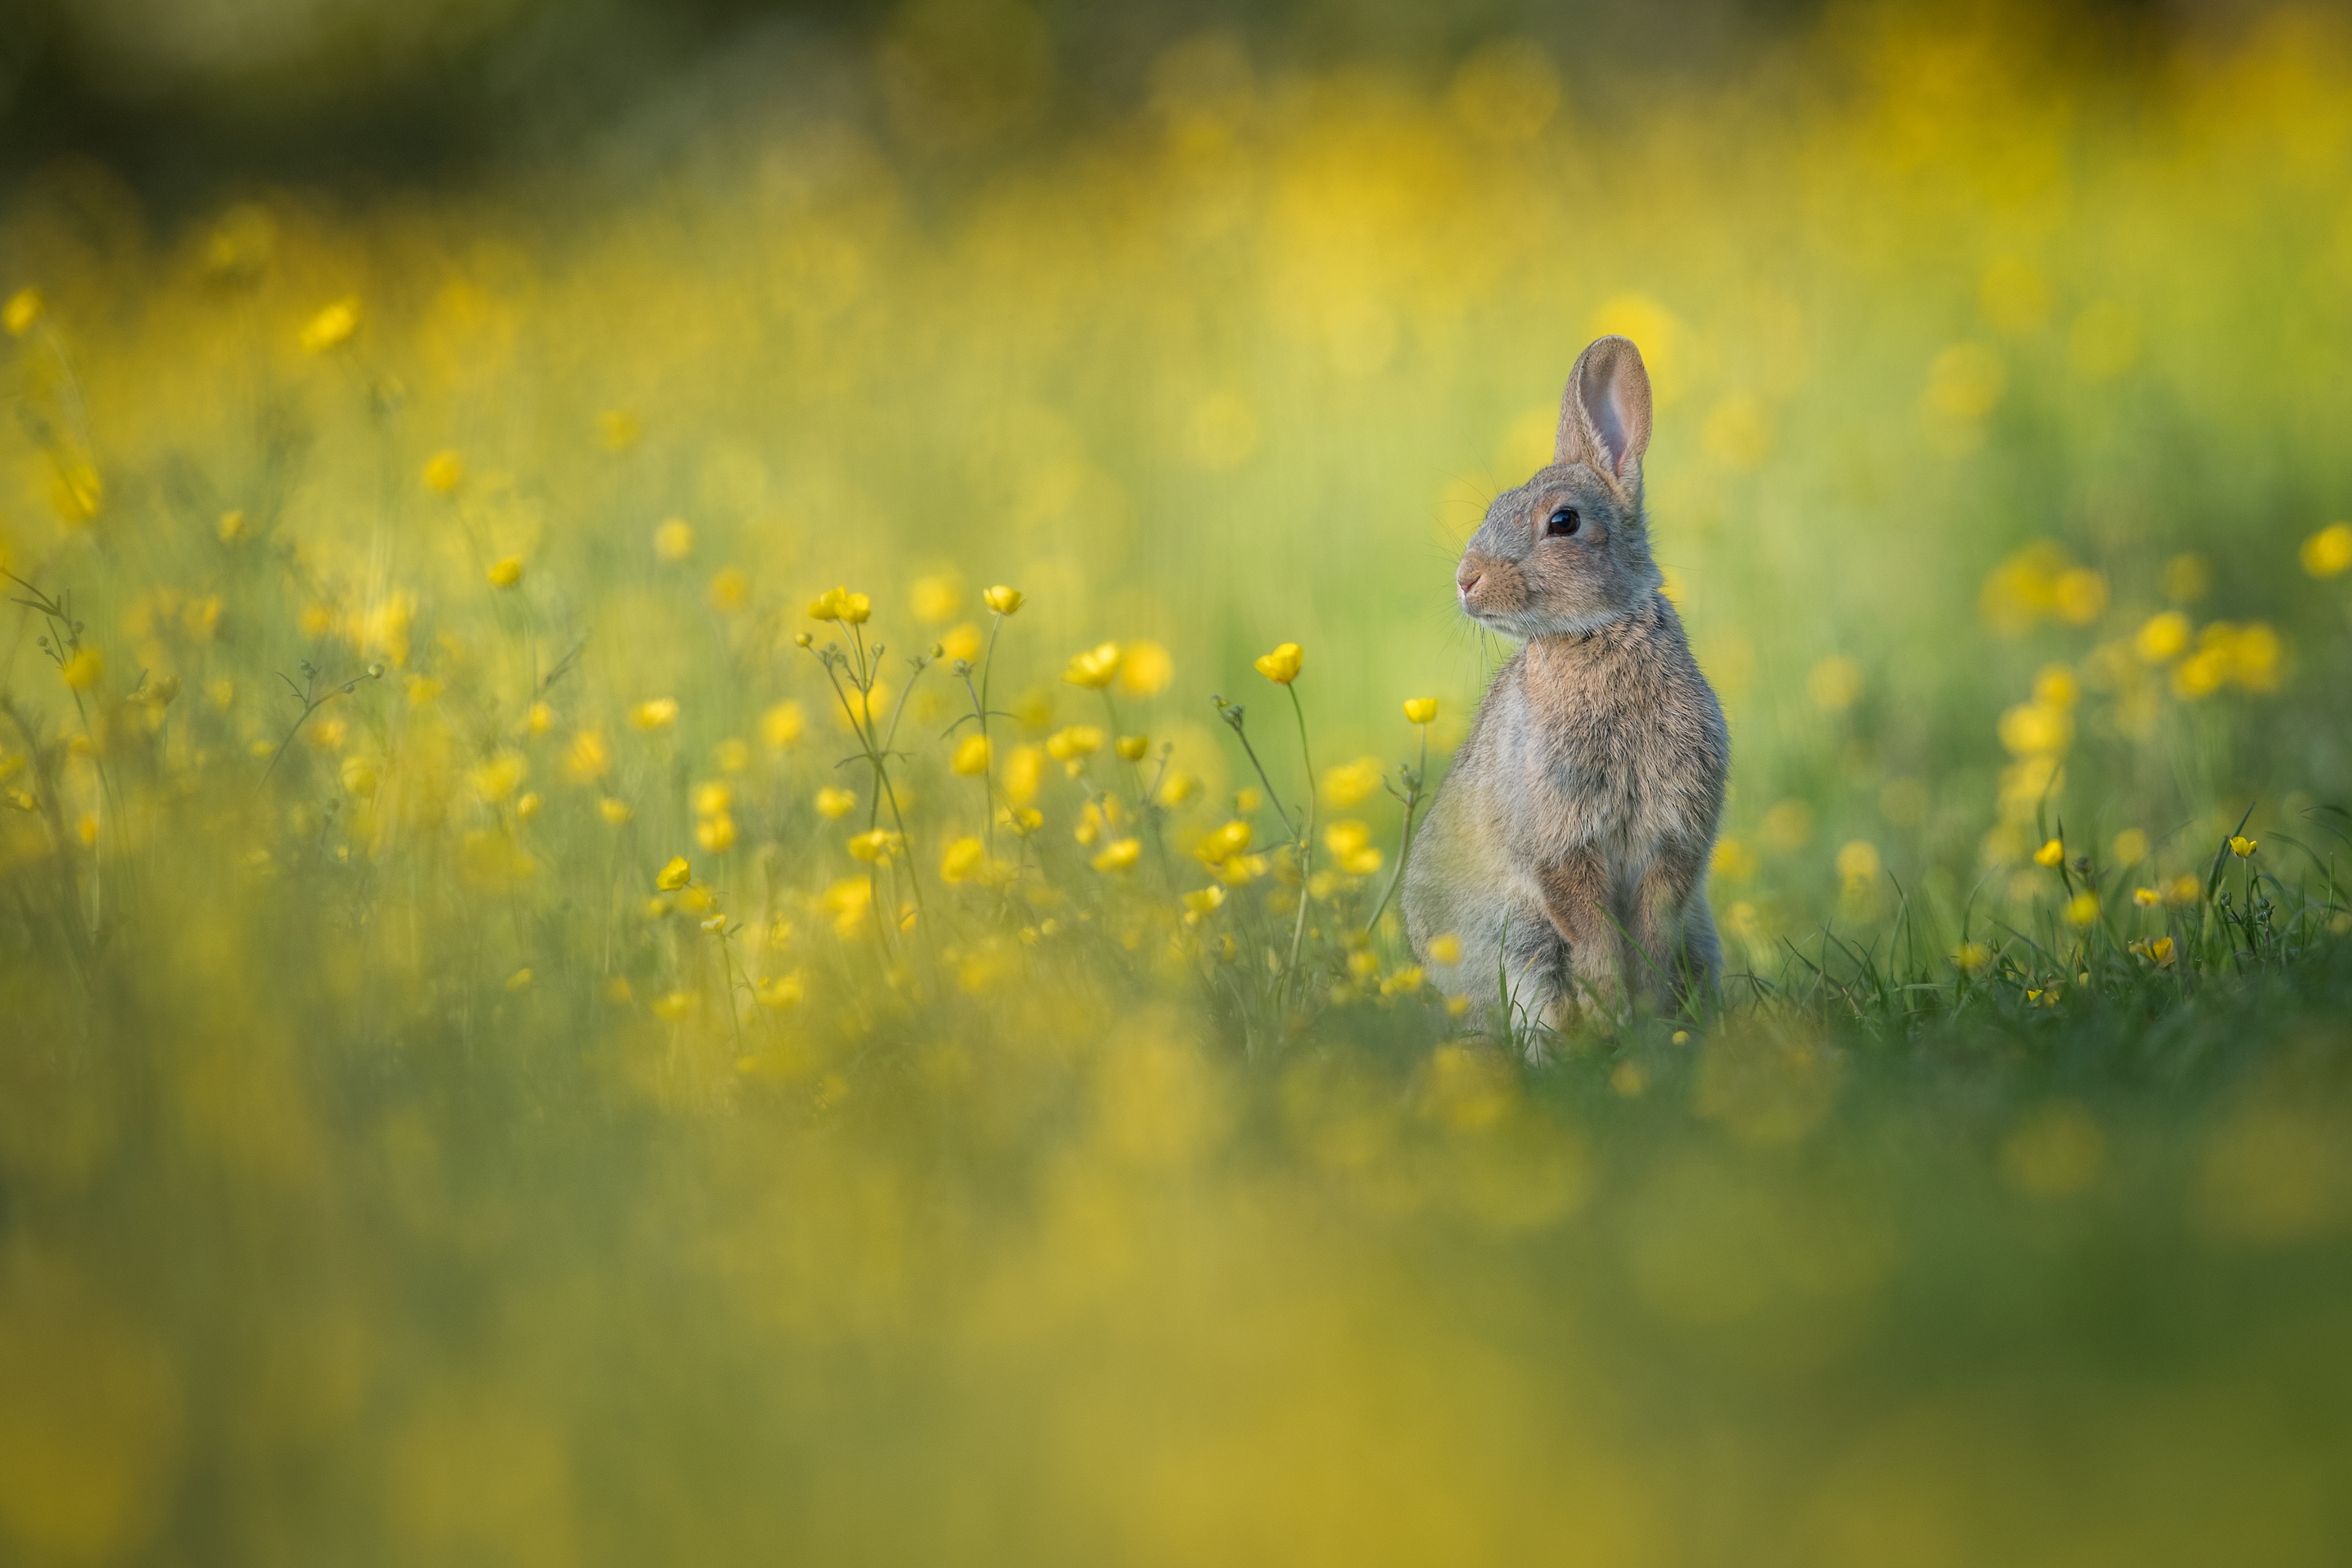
1569, 846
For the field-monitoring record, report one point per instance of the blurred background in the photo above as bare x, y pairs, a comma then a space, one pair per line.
552, 356
1995, 347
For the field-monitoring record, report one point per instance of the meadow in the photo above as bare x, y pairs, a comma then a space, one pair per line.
696, 847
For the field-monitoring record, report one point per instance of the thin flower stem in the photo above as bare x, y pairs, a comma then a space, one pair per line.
1306, 843
1405, 848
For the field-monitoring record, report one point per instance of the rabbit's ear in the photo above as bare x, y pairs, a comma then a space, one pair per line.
1604, 415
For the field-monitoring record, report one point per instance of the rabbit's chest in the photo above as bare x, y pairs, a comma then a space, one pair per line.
1601, 770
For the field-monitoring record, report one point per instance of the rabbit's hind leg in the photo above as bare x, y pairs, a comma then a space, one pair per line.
1698, 968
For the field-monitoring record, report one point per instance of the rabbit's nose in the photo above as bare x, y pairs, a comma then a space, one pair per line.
1467, 579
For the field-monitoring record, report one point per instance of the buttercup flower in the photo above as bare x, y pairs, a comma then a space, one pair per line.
876, 845
1094, 668
1119, 856
331, 327
659, 713
1282, 665
443, 472
1132, 746
83, 669
971, 758
1145, 669
674, 875
834, 803
1004, 600
1420, 710
674, 539
505, 573
24, 308
2050, 854
840, 605
2242, 847
2328, 553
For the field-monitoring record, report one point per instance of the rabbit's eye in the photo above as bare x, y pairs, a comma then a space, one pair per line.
1562, 522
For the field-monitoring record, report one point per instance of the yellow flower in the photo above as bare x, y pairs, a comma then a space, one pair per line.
712, 799
964, 860
834, 804
505, 573
1145, 669
1350, 783
2163, 637
520, 981
671, 1006
2036, 729
1350, 845
588, 758
1132, 746
2082, 909
876, 845
2050, 854
1024, 774
1402, 982
1095, 668
782, 725
674, 875
1973, 956
1445, 949
500, 776
657, 713
360, 777
616, 811
617, 428
1282, 665
1420, 710
24, 308
1858, 862
938, 599
2147, 898
82, 671
1076, 741
1118, 856
330, 326
1004, 600
716, 834
780, 991
1223, 843
731, 755
840, 605
539, 718
730, 588
2243, 848
964, 643
717, 924
2184, 889
1204, 901
2326, 553
971, 758
2160, 950
674, 539
231, 527
443, 472
847, 902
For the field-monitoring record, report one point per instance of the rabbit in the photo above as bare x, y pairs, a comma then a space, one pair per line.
1566, 851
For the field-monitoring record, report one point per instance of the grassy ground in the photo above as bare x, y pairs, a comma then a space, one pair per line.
540, 1029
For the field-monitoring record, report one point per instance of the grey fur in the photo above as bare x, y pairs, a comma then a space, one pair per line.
1569, 846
